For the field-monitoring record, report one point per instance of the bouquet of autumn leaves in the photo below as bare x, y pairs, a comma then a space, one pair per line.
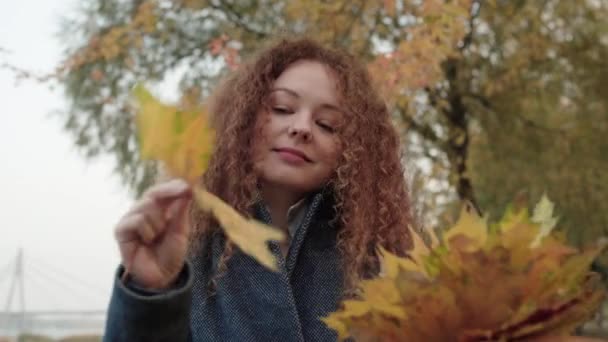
512, 280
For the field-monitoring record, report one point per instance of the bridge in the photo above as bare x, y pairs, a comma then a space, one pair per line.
38, 276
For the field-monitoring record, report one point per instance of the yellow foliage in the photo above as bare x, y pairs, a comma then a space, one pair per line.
251, 236
470, 231
416, 61
182, 140
484, 284
118, 40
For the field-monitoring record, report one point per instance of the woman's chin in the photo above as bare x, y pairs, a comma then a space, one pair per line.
295, 184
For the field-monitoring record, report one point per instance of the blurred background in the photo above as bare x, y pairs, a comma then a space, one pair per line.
497, 102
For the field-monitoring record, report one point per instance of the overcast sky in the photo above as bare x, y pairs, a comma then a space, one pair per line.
57, 206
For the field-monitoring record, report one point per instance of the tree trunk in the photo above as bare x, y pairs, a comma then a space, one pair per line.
458, 136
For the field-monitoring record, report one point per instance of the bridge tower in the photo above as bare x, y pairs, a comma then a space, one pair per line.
17, 289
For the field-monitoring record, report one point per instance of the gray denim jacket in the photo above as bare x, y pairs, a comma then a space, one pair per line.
249, 302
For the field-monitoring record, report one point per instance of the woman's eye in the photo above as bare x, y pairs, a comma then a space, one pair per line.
281, 110
326, 127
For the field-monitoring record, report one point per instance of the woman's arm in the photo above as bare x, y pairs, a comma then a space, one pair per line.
152, 238
137, 314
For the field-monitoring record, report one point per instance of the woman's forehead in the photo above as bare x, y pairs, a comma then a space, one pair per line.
309, 80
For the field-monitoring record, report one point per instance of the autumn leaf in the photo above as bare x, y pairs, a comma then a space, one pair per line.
543, 215
470, 230
251, 236
493, 285
182, 140
392, 265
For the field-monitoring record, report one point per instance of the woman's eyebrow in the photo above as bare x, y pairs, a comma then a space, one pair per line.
332, 107
289, 91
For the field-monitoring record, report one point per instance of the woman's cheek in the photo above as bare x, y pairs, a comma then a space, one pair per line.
336, 154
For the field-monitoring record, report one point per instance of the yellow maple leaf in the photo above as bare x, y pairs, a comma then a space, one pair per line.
470, 230
420, 249
182, 140
392, 264
249, 235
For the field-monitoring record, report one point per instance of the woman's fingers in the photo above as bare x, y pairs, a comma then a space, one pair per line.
177, 216
152, 212
129, 229
138, 226
168, 191
146, 231
151, 215
152, 235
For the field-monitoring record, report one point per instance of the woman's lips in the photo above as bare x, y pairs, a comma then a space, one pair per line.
292, 156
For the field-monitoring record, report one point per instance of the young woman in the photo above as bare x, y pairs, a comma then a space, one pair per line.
304, 144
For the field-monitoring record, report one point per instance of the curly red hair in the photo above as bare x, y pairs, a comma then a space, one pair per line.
371, 199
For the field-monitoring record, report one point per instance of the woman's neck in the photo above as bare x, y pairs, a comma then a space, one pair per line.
278, 200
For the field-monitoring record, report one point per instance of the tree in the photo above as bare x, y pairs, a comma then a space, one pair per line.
540, 103
492, 97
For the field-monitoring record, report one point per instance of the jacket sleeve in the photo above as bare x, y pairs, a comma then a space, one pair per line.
134, 315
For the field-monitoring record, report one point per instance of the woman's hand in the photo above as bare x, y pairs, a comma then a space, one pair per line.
153, 235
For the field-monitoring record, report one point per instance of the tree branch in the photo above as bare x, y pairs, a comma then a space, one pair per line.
468, 38
528, 122
236, 18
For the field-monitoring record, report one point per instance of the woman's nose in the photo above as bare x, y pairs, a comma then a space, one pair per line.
300, 127
298, 133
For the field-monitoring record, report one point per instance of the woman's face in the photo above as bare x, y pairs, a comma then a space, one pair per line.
298, 147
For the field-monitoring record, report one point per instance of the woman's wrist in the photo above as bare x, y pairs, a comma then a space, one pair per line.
172, 283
